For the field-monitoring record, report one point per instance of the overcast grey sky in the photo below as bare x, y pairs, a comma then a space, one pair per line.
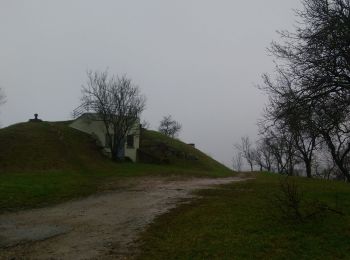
198, 60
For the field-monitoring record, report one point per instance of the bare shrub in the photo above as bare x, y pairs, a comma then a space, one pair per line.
294, 207
289, 200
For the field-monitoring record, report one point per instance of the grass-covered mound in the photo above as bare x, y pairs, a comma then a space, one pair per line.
243, 221
158, 148
43, 163
45, 146
42, 146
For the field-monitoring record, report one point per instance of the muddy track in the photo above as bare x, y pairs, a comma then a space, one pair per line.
102, 226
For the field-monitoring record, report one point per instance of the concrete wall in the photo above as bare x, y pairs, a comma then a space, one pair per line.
90, 124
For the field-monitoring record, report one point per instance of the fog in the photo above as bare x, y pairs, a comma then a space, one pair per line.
198, 60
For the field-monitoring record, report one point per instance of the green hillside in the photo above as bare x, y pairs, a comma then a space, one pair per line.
158, 148
48, 146
44, 163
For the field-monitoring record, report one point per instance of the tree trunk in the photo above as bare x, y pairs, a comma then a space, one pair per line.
278, 168
344, 171
308, 168
269, 168
336, 157
115, 154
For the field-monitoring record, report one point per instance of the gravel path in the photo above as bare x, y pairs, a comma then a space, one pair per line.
102, 226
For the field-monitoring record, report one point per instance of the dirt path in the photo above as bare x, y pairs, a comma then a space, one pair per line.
102, 226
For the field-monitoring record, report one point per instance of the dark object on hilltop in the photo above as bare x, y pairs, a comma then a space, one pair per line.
36, 119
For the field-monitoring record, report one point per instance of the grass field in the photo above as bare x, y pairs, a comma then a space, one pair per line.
241, 221
46, 163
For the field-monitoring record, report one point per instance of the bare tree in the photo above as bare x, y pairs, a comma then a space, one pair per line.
245, 147
169, 127
263, 155
237, 162
337, 138
118, 103
257, 159
310, 97
317, 53
307, 120
288, 111
281, 148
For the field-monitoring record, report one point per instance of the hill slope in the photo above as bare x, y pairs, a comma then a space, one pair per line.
158, 148
46, 146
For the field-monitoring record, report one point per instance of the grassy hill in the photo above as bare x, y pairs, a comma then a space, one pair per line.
47, 146
158, 148
55, 146
48, 162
